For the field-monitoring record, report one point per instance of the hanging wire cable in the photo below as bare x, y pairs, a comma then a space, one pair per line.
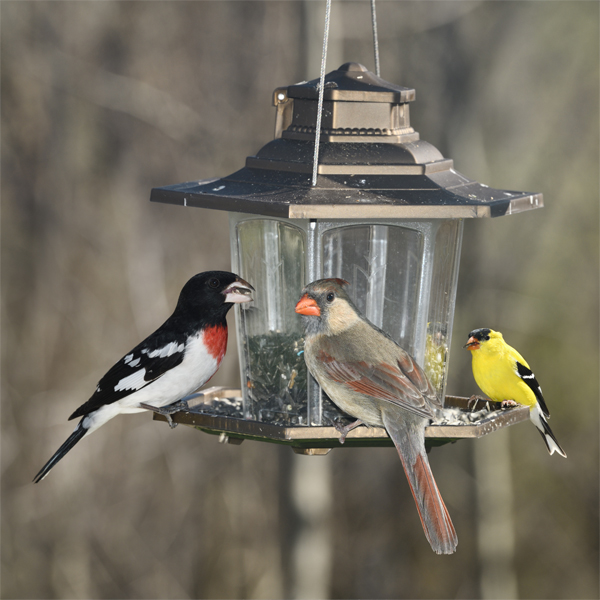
321, 93
375, 38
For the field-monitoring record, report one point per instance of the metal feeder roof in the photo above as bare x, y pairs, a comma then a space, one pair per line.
372, 164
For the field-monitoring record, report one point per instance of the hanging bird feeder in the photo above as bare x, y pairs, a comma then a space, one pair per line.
385, 213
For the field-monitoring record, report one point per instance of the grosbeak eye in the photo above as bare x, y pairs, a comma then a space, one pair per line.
214, 282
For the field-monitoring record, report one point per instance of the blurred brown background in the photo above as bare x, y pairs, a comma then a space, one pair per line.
101, 101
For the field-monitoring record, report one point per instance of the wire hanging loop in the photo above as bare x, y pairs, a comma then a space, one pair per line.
321, 93
322, 78
375, 38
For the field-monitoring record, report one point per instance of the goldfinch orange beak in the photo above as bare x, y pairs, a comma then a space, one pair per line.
472, 344
307, 306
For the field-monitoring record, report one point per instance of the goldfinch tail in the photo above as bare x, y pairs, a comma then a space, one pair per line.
539, 420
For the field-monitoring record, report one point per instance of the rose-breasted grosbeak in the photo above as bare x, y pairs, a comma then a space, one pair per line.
171, 363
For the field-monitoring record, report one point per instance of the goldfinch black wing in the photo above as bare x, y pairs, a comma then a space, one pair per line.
526, 374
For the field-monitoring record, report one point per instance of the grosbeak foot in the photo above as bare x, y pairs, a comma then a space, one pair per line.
168, 410
178, 406
346, 429
506, 403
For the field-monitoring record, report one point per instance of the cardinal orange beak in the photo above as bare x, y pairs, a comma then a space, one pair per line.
307, 306
472, 344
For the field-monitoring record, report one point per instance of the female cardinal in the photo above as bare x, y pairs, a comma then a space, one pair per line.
370, 377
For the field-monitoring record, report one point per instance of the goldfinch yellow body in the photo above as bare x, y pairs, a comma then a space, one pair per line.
503, 374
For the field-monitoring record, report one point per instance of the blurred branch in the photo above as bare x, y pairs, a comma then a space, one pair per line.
120, 93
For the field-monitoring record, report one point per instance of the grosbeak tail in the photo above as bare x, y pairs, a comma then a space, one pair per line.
472, 344
238, 292
307, 306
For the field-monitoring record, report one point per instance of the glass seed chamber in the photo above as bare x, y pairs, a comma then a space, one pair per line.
402, 277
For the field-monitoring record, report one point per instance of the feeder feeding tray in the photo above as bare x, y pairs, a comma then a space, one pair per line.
218, 410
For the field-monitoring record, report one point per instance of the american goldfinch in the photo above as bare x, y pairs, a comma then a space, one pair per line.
503, 374
374, 380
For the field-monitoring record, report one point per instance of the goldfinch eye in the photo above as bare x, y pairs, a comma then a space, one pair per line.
214, 282
330, 297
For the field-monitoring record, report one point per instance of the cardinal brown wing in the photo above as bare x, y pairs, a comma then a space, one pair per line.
417, 377
381, 381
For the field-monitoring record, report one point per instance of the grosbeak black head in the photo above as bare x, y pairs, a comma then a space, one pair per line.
214, 291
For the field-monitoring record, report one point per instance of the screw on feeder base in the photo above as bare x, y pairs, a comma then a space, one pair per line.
312, 451
225, 439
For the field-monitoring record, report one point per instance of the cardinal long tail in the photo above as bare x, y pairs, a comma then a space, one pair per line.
435, 518
539, 420
79, 432
407, 433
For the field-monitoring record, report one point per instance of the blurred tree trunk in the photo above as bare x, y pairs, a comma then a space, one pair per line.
495, 518
307, 538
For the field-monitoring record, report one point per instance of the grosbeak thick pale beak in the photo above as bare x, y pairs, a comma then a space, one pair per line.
367, 375
170, 364
504, 375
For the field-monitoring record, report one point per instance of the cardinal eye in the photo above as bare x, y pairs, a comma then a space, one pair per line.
330, 297
214, 282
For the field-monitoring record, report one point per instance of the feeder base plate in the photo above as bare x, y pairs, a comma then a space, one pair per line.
459, 421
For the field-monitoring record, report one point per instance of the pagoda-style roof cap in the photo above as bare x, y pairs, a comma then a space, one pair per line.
353, 82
